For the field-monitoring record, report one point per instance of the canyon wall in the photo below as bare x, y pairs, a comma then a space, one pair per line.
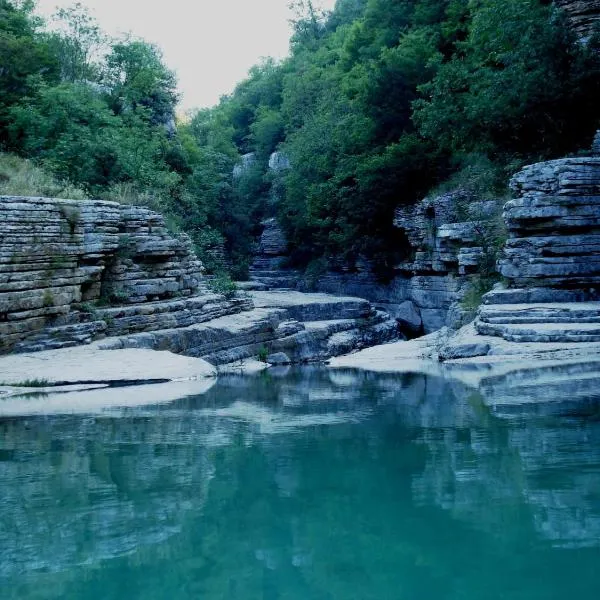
554, 227
444, 236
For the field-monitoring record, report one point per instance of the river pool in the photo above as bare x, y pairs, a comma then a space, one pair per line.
301, 485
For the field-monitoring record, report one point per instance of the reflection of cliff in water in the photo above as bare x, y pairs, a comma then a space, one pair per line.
291, 471
543, 450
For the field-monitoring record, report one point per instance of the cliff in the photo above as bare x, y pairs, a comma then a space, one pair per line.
76, 272
62, 261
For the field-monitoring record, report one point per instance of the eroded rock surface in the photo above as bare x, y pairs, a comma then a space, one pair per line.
443, 235
269, 270
306, 327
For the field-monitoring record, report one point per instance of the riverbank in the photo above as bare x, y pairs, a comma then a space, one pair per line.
509, 373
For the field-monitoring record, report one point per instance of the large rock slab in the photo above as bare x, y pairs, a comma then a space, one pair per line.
306, 327
92, 364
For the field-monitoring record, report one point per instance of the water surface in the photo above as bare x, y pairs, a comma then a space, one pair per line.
307, 485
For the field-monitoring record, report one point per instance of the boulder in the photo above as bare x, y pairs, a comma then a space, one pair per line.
407, 315
279, 359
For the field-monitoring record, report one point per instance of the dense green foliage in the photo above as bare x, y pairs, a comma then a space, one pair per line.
379, 102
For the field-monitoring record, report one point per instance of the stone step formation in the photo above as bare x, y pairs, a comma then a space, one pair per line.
303, 327
75, 272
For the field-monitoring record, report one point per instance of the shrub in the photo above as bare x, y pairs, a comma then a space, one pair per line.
222, 284
20, 177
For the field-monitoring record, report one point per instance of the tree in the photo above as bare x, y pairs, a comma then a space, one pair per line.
78, 43
25, 57
139, 80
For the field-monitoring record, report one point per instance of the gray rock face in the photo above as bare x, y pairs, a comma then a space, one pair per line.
56, 254
554, 225
443, 233
62, 262
268, 271
279, 359
272, 240
305, 327
445, 247
278, 161
551, 261
408, 315
596, 144
245, 164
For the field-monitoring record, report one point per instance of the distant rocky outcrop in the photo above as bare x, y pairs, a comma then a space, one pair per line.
269, 270
245, 164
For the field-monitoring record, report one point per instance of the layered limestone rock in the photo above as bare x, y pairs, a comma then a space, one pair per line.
445, 236
596, 144
74, 272
61, 260
551, 262
554, 226
268, 269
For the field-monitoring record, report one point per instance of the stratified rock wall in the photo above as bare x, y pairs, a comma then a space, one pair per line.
58, 253
554, 226
444, 238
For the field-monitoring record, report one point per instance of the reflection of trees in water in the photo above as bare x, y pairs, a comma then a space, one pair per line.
198, 497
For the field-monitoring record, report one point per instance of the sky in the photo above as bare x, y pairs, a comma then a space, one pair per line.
210, 44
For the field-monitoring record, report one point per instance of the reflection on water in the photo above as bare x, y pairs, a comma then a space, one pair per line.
314, 484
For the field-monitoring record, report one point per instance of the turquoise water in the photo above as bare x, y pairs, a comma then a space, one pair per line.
310, 485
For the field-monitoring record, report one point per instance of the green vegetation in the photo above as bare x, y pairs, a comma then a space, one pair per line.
28, 383
379, 102
221, 283
48, 299
20, 177
382, 101
263, 354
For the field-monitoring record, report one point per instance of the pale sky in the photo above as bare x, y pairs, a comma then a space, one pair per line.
210, 44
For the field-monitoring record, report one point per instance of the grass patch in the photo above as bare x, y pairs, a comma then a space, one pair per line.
263, 353
222, 284
29, 383
21, 177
